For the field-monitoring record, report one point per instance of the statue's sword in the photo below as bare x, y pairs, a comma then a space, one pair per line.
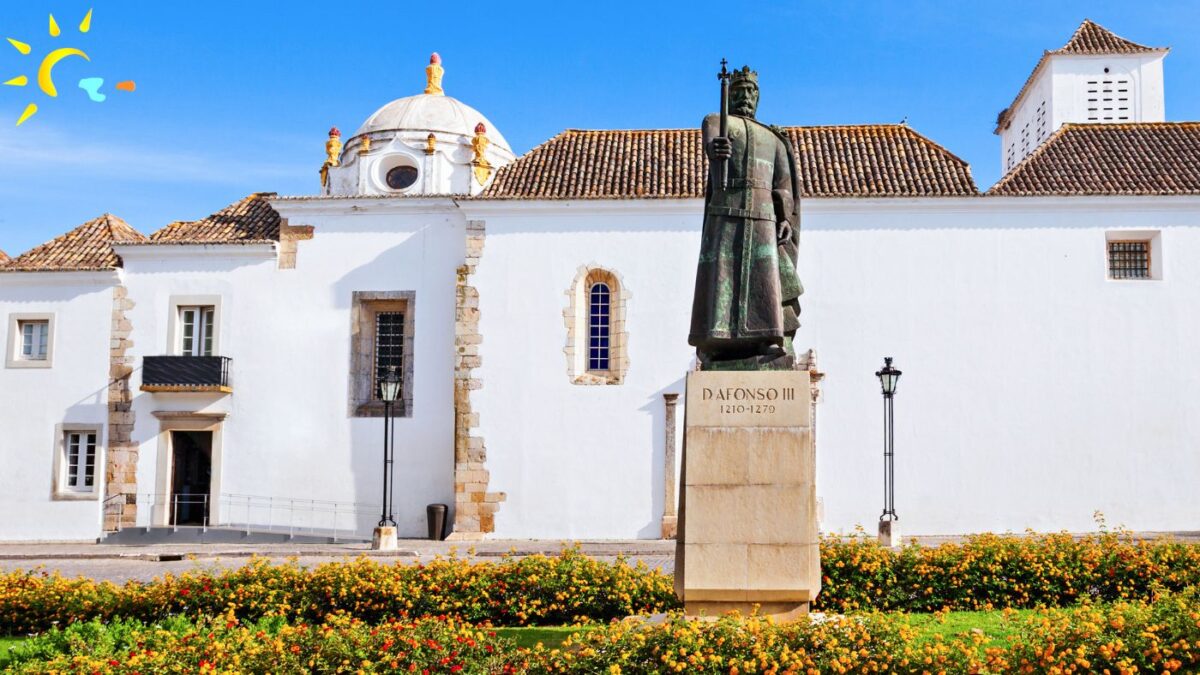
723, 169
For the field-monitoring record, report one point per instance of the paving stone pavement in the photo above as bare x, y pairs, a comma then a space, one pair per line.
143, 563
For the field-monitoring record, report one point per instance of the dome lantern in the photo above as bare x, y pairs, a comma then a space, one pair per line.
427, 144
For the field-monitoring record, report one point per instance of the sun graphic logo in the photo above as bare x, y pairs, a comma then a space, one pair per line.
45, 79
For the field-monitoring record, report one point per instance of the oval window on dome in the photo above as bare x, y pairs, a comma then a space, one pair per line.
401, 177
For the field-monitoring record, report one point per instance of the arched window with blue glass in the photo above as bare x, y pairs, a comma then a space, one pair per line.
596, 334
599, 327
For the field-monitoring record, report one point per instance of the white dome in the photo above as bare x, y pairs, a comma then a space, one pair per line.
431, 112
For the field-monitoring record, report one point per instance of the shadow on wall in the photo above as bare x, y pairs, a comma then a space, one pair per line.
424, 442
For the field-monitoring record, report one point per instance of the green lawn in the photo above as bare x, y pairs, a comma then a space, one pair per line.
5, 643
550, 636
991, 623
930, 625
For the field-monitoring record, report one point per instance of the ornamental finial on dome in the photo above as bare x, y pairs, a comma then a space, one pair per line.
482, 167
333, 152
433, 75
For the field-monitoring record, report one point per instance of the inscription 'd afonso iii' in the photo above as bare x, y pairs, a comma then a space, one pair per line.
747, 399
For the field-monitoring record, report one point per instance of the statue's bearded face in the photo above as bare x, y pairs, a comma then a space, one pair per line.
743, 99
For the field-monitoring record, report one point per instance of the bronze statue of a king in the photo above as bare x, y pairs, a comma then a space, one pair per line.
746, 308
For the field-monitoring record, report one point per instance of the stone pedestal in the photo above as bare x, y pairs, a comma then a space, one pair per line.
889, 534
384, 539
748, 506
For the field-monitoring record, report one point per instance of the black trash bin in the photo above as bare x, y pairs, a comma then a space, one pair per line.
435, 515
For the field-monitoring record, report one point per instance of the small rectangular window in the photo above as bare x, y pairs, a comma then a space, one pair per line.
196, 330
1129, 259
80, 464
30, 341
35, 336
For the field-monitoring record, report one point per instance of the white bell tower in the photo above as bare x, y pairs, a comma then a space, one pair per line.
1096, 78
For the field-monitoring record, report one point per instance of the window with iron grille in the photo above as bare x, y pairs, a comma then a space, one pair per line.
1129, 259
382, 335
389, 347
599, 327
80, 465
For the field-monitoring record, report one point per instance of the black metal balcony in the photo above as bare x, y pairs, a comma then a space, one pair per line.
186, 373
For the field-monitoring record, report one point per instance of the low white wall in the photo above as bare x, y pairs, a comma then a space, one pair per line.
35, 401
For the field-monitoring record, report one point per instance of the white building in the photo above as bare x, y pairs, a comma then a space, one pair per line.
223, 371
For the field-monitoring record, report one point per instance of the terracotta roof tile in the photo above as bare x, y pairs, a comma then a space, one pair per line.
87, 247
1145, 158
1092, 38
3, 257
249, 219
1089, 39
835, 161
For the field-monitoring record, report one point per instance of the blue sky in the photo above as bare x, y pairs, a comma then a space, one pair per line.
234, 98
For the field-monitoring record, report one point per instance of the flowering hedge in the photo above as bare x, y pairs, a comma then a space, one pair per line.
984, 572
1126, 637
562, 589
991, 571
222, 644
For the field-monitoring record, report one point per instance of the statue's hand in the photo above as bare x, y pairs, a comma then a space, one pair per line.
720, 148
784, 231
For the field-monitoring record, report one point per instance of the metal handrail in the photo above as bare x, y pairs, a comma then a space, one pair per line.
106, 508
260, 513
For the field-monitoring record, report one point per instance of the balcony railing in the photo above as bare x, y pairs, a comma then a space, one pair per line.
186, 373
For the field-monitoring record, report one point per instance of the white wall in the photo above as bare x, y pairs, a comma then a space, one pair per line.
288, 433
580, 460
1026, 113
1035, 392
34, 400
1071, 75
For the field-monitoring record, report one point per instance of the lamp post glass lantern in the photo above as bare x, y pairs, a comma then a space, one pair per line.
889, 377
389, 391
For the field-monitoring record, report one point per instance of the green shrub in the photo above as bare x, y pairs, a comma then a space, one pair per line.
222, 644
543, 590
984, 572
991, 571
1126, 637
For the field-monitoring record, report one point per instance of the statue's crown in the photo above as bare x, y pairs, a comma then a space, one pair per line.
744, 75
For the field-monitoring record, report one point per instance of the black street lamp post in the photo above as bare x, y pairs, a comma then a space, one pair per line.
888, 378
389, 390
